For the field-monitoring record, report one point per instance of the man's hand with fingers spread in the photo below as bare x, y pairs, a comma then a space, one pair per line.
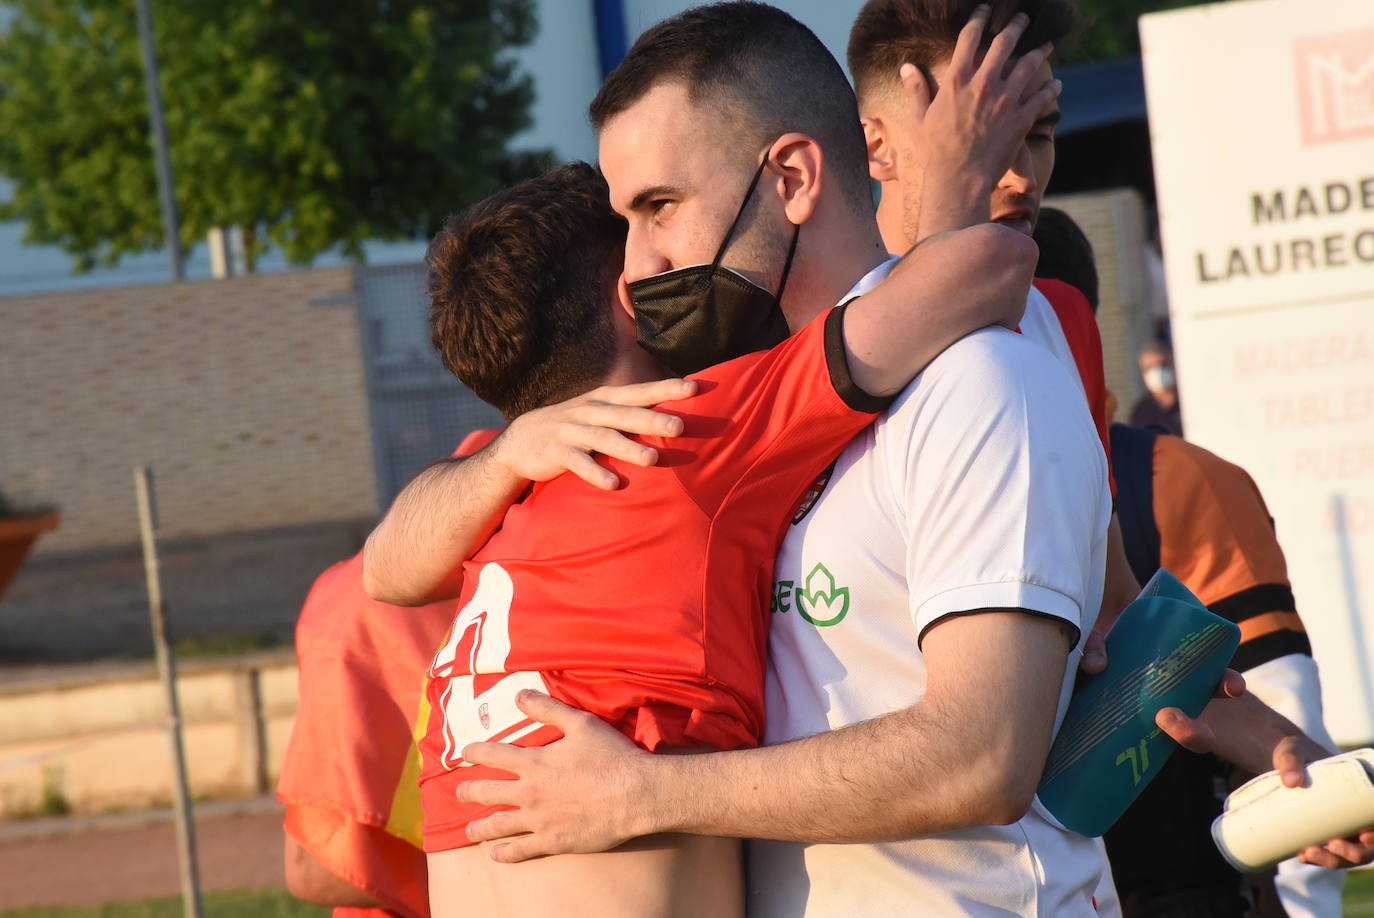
581, 794
544, 443
415, 555
970, 130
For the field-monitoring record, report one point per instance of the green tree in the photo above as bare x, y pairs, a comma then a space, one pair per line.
1111, 27
313, 123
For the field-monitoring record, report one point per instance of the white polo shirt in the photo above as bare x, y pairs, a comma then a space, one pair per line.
983, 486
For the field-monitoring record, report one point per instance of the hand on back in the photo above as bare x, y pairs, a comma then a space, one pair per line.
544, 443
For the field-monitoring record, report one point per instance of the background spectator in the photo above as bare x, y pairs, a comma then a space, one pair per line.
1158, 407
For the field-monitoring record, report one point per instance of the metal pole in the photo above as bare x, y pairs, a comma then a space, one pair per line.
610, 33
171, 222
167, 671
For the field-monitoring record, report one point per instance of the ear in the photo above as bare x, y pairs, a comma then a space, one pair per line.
623, 315
799, 165
882, 155
622, 295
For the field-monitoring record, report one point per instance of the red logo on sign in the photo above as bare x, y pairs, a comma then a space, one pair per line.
1336, 86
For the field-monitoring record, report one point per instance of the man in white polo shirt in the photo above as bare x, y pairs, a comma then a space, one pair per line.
864, 582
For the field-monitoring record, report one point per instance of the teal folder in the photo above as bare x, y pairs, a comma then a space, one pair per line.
1166, 650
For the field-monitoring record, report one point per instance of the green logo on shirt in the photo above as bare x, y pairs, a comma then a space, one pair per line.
819, 601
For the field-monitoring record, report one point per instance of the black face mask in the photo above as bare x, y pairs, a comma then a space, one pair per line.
697, 317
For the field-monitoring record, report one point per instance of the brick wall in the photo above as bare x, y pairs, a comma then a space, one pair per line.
248, 401
1114, 221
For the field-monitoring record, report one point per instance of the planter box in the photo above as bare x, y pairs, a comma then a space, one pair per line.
17, 535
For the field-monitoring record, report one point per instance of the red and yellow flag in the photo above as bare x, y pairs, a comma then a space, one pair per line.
349, 775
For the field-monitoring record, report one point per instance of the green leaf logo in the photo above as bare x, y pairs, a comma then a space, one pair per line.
828, 602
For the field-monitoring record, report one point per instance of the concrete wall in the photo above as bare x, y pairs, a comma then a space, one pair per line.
247, 396
1114, 221
99, 743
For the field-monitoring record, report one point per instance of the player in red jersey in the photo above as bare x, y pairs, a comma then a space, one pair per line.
654, 616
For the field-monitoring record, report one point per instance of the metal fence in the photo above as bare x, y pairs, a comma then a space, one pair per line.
419, 411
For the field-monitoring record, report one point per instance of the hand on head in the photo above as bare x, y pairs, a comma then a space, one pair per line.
973, 126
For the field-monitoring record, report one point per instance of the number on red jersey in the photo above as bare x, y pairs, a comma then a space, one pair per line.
479, 701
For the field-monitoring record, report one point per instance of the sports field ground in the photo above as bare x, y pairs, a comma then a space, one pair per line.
232, 904
1359, 893
1359, 900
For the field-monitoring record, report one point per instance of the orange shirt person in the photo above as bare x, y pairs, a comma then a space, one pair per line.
353, 830
1202, 518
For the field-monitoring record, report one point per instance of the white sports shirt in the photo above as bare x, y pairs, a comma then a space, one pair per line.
983, 486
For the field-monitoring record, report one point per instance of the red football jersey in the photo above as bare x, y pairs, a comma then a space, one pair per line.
1079, 326
648, 608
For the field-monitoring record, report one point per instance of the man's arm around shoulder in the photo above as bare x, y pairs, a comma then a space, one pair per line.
946, 287
415, 555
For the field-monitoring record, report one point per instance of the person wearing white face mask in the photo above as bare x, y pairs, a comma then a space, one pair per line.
1158, 407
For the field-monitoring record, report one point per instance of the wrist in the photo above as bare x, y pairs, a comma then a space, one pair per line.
963, 181
500, 461
952, 201
654, 804
1308, 749
1246, 732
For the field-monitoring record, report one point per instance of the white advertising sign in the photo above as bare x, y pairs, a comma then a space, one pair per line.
1262, 123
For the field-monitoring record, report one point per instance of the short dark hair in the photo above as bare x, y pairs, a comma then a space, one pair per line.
520, 286
889, 33
1066, 254
757, 65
